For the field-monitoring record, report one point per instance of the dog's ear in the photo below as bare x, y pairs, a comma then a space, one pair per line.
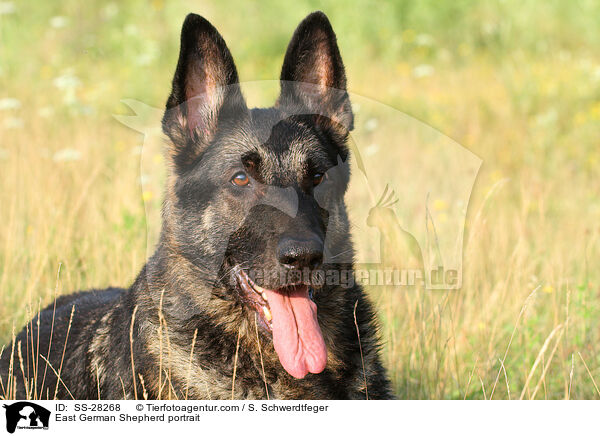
313, 79
205, 91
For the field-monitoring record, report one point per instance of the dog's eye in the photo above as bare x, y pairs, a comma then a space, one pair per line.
318, 178
240, 179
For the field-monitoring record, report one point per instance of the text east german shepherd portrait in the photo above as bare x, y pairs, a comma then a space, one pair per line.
242, 297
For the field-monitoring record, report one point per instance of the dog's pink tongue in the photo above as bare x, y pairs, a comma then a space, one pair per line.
296, 333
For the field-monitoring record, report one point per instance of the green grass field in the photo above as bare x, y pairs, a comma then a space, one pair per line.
516, 83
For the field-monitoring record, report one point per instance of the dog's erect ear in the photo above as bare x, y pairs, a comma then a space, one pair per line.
205, 90
313, 78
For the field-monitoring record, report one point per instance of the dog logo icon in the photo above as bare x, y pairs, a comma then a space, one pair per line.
26, 415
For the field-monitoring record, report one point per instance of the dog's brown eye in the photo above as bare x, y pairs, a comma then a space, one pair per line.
240, 179
318, 178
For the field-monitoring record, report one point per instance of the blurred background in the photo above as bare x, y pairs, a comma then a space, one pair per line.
515, 83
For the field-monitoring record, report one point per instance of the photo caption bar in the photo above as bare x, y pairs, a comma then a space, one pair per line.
296, 417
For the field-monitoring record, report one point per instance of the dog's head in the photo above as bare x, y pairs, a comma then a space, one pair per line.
255, 198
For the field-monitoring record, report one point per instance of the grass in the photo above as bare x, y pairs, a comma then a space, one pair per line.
516, 84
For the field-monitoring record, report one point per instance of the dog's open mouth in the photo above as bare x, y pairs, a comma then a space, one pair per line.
291, 315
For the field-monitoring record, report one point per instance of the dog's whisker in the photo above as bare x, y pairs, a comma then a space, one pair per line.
341, 254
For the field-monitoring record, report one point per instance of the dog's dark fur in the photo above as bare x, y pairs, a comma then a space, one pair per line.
182, 330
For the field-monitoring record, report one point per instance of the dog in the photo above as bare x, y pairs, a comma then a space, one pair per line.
243, 297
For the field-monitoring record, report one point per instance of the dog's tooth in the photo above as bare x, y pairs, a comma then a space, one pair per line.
267, 313
264, 295
259, 289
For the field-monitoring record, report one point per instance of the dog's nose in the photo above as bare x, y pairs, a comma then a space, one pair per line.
300, 253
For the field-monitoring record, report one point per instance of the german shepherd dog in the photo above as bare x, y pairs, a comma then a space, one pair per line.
242, 297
